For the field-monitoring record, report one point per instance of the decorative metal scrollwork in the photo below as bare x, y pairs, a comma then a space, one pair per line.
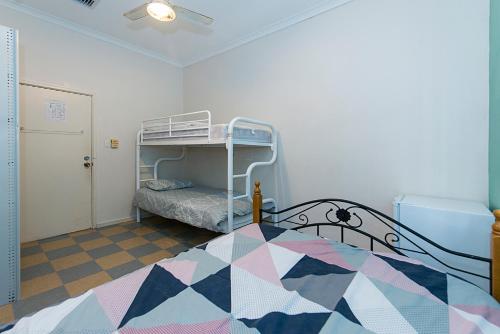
343, 215
347, 215
304, 219
395, 238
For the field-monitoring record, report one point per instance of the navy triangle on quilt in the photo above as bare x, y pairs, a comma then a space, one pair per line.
344, 309
217, 288
311, 266
159, 286
434, 281
202, 246
270, 232
277, 322
6, 327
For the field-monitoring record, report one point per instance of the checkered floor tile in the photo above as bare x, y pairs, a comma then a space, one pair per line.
65, 266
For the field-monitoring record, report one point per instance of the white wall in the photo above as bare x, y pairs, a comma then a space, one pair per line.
372, 99
127, 88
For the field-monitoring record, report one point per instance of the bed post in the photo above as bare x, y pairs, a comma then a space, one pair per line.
495, 256
257, 203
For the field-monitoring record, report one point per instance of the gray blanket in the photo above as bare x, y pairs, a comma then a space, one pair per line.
198, 206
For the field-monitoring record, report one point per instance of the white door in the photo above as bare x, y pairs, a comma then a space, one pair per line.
56, 166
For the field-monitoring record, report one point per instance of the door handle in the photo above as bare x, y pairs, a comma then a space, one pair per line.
87, 163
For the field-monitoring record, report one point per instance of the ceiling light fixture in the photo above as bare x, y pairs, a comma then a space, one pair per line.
161, 10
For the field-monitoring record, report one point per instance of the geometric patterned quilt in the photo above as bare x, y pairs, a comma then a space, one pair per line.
263, 279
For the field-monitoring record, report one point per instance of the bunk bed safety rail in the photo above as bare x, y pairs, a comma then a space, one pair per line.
157, 163
247, 176
155, 167
170, 126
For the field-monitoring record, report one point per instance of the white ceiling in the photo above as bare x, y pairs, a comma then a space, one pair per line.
180, 42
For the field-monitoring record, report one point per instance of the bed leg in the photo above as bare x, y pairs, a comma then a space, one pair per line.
495, 257
276, 218
257, 204
138, 215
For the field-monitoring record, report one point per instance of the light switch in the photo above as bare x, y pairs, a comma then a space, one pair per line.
115, 143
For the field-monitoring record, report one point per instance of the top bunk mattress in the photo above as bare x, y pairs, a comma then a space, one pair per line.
196, 130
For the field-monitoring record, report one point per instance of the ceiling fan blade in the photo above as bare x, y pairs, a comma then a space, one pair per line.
193, 16
137, 13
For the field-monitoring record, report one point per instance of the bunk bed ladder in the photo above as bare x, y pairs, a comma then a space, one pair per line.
247, 176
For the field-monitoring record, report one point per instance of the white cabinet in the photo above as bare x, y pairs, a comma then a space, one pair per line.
462, 226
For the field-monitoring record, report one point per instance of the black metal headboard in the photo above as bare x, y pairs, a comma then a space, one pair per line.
348, 215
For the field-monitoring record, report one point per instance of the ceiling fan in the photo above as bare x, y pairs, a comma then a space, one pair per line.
164, 11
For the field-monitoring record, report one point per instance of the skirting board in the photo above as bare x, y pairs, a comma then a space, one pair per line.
123, 220
115, 221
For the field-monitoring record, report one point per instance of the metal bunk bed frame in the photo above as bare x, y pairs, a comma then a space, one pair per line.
169, 137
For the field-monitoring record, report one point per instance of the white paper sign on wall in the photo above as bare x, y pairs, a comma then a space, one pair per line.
56, 111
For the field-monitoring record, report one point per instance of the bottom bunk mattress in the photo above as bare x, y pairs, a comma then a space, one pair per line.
198, 206
263, 279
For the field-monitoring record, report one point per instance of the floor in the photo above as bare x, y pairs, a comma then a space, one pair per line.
57, 268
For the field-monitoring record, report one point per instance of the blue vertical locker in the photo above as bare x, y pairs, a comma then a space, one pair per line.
9, 167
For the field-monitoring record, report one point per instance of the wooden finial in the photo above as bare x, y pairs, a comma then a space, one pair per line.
497, 220
257, 203
495, 256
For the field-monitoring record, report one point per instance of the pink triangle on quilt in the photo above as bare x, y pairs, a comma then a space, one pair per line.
460, 325
252, 231
182, 269
116, 296
260, 263
319, 249
211, 327
377, 268
489, 313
